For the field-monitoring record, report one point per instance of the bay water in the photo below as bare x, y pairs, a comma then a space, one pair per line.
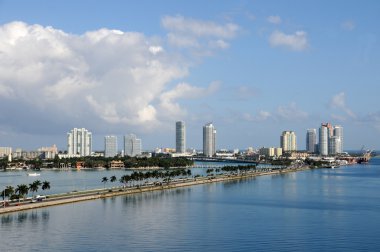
314, 210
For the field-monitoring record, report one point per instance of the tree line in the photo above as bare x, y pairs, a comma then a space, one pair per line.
93, 162
22, 190
166, 175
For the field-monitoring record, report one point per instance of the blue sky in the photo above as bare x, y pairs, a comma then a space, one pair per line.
254, 68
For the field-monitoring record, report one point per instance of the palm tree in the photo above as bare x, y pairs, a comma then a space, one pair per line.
9, 191
45, 185
104, 180
113, 179
22, 190
35, 186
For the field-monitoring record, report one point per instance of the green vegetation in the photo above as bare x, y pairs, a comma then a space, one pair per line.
104, 180
45, 185
315, 163
284, 162
22, 190
94, 162
165, 175
237, 168
33, 187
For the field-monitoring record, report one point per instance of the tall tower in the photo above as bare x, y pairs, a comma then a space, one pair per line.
311, 140
288, 141
324, 139
110, 146
338, 132
180, 137
79, 142
209, 140
132, 145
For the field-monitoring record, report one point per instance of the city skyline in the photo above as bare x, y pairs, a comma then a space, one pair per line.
253, 68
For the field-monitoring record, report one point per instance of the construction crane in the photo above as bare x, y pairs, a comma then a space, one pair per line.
365, 157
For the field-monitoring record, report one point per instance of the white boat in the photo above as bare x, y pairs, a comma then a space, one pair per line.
34, 174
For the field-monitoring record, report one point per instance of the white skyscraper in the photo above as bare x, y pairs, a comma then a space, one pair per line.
79, 142
338, 132
209, 140
324, 136
311, 140
288, 141
110, 146
335, 145
132, 145
180, 137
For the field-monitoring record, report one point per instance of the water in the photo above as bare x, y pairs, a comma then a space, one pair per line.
62, 181
316, 210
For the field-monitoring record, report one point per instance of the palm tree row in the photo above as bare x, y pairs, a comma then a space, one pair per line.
139, 176
238, 168
21, 190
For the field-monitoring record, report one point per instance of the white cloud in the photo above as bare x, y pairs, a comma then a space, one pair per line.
198, 34
348, 25
182, 41
259, 117
221, 44
339, 102
296, 42
168, 99
274, 19
291, 112
189, 26
99, 78
155, 49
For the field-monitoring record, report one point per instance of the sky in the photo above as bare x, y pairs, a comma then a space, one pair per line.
253, 68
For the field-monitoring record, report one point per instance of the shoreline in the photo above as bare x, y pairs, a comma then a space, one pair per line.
73, 197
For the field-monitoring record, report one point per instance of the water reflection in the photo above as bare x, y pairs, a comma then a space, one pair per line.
20, 218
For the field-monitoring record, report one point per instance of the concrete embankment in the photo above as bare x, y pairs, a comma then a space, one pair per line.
60, 199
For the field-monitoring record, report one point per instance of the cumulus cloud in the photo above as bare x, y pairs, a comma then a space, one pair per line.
291, 112
338, 101
169, 99
274, 19
348, 25
296, 42
101, 77
199, 34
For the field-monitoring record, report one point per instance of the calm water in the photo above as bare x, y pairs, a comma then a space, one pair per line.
318, 210
63, 181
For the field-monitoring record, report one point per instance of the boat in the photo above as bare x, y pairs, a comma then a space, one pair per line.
33, 174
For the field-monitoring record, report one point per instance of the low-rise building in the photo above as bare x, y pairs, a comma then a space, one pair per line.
116, 164
271, 152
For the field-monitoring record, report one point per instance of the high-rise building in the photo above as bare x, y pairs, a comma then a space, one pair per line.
311, 140
335, 145
330, 139
338, 132
79, 142
323, 139
132, 145
288, 141
5, 151
110, 146
180, 137
209, 140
